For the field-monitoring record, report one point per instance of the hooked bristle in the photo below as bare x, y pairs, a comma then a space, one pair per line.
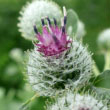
63, 29
55, 39
65, 15
49, 22
35, 29
65, 20
43, 23
55, 21
62, 22
64, 11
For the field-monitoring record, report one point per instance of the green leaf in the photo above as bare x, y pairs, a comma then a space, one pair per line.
72, 21
103, 80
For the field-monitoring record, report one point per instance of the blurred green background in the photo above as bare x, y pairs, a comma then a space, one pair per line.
13, 87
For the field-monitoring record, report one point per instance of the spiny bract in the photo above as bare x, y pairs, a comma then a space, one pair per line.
33, 12
51, 75
57, 63
76, 101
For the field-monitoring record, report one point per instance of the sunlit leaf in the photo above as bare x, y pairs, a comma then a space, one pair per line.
72, 21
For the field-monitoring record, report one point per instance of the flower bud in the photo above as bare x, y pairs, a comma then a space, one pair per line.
104, 40
76, 101
32, 13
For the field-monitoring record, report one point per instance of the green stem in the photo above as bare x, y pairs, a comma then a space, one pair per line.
96, 70
25, 105
107, 60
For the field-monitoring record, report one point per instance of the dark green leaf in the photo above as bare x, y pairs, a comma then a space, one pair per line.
103, 80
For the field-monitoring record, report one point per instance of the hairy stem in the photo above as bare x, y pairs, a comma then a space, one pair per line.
26, 104
96, 70
107, 60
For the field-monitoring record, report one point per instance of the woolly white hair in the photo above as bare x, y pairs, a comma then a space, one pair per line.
76, 101
80, 30
32, 13
104, 39
52, 75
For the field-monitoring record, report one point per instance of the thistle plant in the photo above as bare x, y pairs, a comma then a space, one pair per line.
57, 62
76, 101
32, 13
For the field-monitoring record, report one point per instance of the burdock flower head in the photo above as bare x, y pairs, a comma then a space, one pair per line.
54, 41
57, 62
71, 101
31, 14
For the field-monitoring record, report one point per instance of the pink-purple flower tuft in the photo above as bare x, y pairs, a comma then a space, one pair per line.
53, 40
